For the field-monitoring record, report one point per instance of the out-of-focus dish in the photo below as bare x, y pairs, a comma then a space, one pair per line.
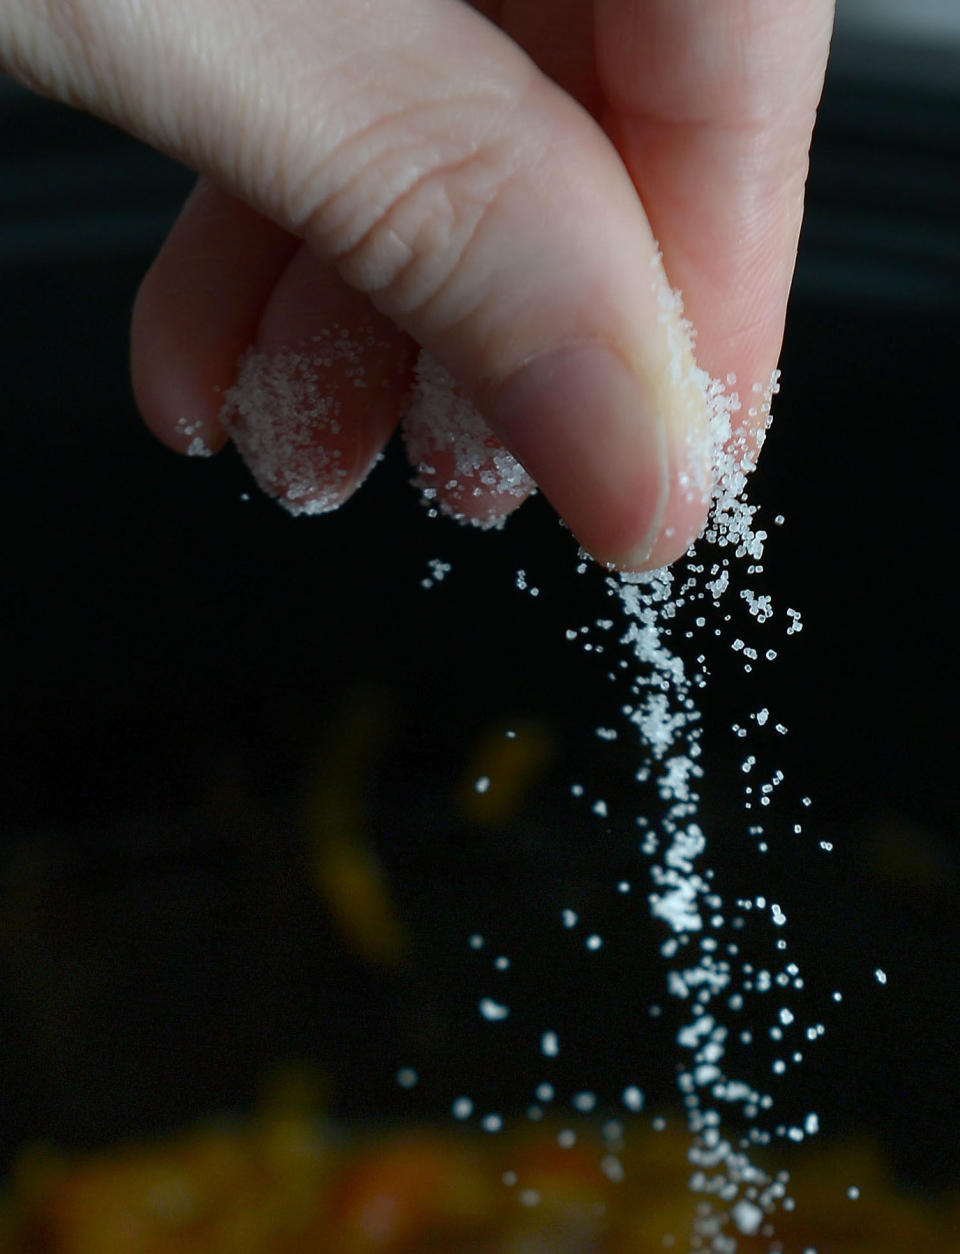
287, 1183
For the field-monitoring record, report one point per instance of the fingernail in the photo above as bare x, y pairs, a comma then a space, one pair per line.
586, 429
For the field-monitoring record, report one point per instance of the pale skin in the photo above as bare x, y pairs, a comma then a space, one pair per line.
489, 181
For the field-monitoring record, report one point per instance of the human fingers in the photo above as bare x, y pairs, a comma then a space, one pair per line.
322, 376
415, 147
320, 390
197, 311
712, 109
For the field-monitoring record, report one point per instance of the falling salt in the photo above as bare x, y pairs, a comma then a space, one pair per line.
438, 572
662, 712
880, 975
493, 1011
612, 1168
633, 1098
491, 1123
462, 1108
482, 783
853, 1193
407, 1078
746, 1216
549, 1045
569, 918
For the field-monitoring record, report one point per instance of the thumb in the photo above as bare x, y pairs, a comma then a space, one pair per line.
412, 144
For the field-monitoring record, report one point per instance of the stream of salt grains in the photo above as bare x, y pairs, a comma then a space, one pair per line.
706, 969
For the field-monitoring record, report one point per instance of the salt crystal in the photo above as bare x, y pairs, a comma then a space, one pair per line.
549, 1045
443, 426
198, 448
283, 415
746, 1216
612, 1168
493, 1011
193, 431
633, 1098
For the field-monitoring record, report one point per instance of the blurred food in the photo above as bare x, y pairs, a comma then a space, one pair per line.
346, 870
287, 1183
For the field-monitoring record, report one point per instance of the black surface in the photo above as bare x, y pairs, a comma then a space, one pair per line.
176, 659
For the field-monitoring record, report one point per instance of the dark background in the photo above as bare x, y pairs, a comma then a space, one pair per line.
189, 676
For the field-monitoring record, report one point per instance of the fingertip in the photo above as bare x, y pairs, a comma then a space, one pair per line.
196, 312
622, 457
460, 467
290, 416
684, 519
177, 390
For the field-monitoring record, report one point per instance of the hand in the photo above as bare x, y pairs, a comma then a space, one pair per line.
487, 182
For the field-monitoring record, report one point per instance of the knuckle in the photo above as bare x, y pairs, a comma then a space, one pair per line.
401, 222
